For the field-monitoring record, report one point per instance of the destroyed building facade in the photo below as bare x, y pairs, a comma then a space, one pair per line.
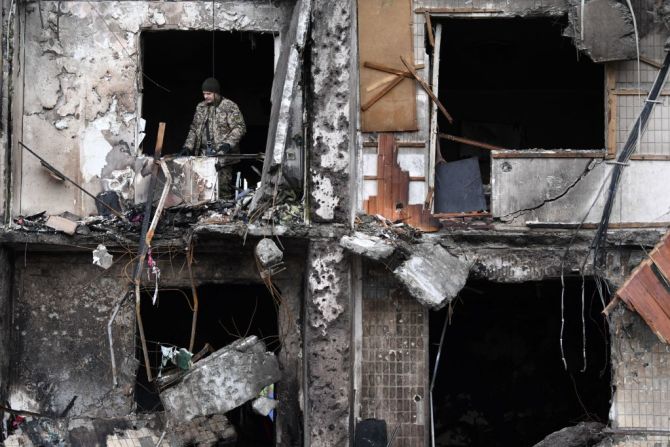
458, 228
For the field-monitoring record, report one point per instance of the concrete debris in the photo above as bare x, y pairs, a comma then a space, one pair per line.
225, 380
206, 431
372, 247
582, 434
608, 33
102, 258
432, 275
268, 253
61, 224
263, 405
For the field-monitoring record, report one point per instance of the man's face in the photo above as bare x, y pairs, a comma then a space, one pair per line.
209, 97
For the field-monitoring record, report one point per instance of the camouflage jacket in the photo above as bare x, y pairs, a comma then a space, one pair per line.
225, 123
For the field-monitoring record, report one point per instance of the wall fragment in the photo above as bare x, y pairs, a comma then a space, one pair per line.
327, 346
607, 34
223, 381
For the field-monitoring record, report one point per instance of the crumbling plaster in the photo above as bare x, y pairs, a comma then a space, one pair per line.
82, 87
60, 349
329, 99
328, 349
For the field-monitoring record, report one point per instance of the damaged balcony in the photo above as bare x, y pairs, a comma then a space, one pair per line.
440, 209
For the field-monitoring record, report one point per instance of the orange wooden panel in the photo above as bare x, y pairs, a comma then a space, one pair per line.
661, 256
646, 306
655, 288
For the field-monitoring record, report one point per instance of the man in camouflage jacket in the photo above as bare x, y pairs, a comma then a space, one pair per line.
216, 129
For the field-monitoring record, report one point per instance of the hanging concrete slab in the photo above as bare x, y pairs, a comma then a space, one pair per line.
608, 33
225, 380
369, 246
432, 275
647, 290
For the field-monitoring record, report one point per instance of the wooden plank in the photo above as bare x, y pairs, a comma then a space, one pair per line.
388, 69
636, 92
655, 289
372, 205
398, 143
612, 109
379, 95
429, 29
470, 142
661, 257
650, 157
593, 226
549, 154
639, 298
428, 90
411, 179
384, 34
456, 10
382, 81
433, 140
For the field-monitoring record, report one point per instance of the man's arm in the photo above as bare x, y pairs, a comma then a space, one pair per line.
192, 132
235, 124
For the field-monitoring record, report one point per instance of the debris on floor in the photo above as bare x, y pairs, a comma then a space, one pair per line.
223, 381
61, 224
580, 435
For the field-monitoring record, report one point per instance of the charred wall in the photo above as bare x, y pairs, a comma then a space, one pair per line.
78, 94
60, 350
5, 320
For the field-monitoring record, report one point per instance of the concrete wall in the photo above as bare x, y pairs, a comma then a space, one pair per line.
78, 91
327, 346
641, 382
329, 102
571, 189
60, 349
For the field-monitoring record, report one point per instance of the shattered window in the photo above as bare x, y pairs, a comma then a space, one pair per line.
517, 84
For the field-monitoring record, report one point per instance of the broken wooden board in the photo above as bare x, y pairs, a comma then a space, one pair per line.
647, 290
385, 34
392, 196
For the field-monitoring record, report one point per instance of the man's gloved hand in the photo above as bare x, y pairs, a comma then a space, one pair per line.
209, 151
224, 148
183, 152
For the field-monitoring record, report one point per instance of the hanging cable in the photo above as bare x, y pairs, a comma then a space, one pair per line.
213, 39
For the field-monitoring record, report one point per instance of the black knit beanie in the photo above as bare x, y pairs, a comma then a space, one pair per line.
211, 85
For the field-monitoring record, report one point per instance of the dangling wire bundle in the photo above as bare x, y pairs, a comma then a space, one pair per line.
600, 238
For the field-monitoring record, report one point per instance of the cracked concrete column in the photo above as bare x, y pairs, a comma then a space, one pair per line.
329, 109
327, 345
5, 319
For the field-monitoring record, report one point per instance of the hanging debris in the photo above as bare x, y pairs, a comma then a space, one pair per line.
432, 275
102, 258
602, 29
225, 380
